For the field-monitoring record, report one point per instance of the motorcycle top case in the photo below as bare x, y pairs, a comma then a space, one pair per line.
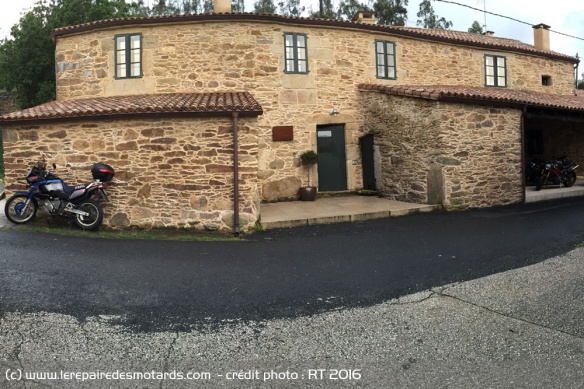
102, 172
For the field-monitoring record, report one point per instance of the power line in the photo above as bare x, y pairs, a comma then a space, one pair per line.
506, 17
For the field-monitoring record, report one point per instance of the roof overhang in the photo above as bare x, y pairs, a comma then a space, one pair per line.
500, 97
200, 105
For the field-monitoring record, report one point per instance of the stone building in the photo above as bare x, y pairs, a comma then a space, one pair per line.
8, 102
176, 103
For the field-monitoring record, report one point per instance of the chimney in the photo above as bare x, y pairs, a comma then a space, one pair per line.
365, 17
489, 33
222, 6
541, 37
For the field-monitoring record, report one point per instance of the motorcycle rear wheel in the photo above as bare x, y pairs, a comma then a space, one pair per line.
91, 222
17, 211
571, 179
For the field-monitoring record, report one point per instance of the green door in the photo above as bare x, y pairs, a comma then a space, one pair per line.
332, 164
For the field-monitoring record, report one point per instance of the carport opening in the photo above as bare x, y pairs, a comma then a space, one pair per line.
547, 136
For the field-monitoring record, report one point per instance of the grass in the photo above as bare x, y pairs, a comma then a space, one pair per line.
259, 227
160, 234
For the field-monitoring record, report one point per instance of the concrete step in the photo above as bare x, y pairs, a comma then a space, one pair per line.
335, 210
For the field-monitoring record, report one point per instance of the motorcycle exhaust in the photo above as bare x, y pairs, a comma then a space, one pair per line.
75, 211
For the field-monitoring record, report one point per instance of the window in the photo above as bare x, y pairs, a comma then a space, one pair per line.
296, 53
385, 59
495, 71
546, 80
128, 55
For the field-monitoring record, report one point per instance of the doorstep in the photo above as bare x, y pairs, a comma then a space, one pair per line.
335, 210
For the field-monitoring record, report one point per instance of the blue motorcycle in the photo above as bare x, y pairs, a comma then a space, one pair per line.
49, 193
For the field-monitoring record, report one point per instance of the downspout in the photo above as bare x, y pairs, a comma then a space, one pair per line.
235, 175
523, 156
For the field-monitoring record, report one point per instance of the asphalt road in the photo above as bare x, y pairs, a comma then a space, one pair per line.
288, 273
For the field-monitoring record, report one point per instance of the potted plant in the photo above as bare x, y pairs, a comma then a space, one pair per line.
308, 159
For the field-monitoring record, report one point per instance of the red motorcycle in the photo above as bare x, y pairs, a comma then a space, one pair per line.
557, 171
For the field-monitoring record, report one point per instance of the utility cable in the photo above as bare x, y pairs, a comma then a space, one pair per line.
506, 17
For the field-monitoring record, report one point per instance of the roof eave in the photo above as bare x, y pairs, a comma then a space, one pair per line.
130, 115
505, 103
442, 96
299, 21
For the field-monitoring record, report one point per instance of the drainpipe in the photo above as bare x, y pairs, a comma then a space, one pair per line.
235, 176
523, 156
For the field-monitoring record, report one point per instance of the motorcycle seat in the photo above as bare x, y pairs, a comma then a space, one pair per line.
71, 189
68, 189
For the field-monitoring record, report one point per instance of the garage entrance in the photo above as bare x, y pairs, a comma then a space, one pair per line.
550, 135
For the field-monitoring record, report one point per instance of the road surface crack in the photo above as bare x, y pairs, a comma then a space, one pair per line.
167, 357
498, 313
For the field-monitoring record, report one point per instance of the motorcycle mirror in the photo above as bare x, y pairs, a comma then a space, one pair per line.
54, 166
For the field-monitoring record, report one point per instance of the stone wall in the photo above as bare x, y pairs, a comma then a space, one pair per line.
241, 55
8, 102
246, 56
169, 172
461, 156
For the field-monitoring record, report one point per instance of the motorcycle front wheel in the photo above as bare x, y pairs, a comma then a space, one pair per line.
570, 179
19, 209
541, 182
91, 222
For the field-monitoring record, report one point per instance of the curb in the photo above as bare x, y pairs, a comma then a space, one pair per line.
345, 218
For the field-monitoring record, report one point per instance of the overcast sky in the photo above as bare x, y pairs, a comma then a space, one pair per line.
566, 16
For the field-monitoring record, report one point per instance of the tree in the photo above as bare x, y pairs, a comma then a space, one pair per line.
476, 28
580, 83
291, 8
163, 7
264, 7
325, 11
27, 60
392, 12
349, 8
429, 19
237, 6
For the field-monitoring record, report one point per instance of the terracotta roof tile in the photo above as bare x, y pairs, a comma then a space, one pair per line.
482, 95
455, 37
200, 104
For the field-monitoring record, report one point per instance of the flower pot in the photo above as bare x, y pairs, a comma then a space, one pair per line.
307, 193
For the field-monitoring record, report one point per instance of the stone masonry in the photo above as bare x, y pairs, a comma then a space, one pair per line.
8, 102
249, 56
169, 172
177, 172
457, 155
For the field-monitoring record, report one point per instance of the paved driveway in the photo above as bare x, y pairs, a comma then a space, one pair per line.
518, 329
